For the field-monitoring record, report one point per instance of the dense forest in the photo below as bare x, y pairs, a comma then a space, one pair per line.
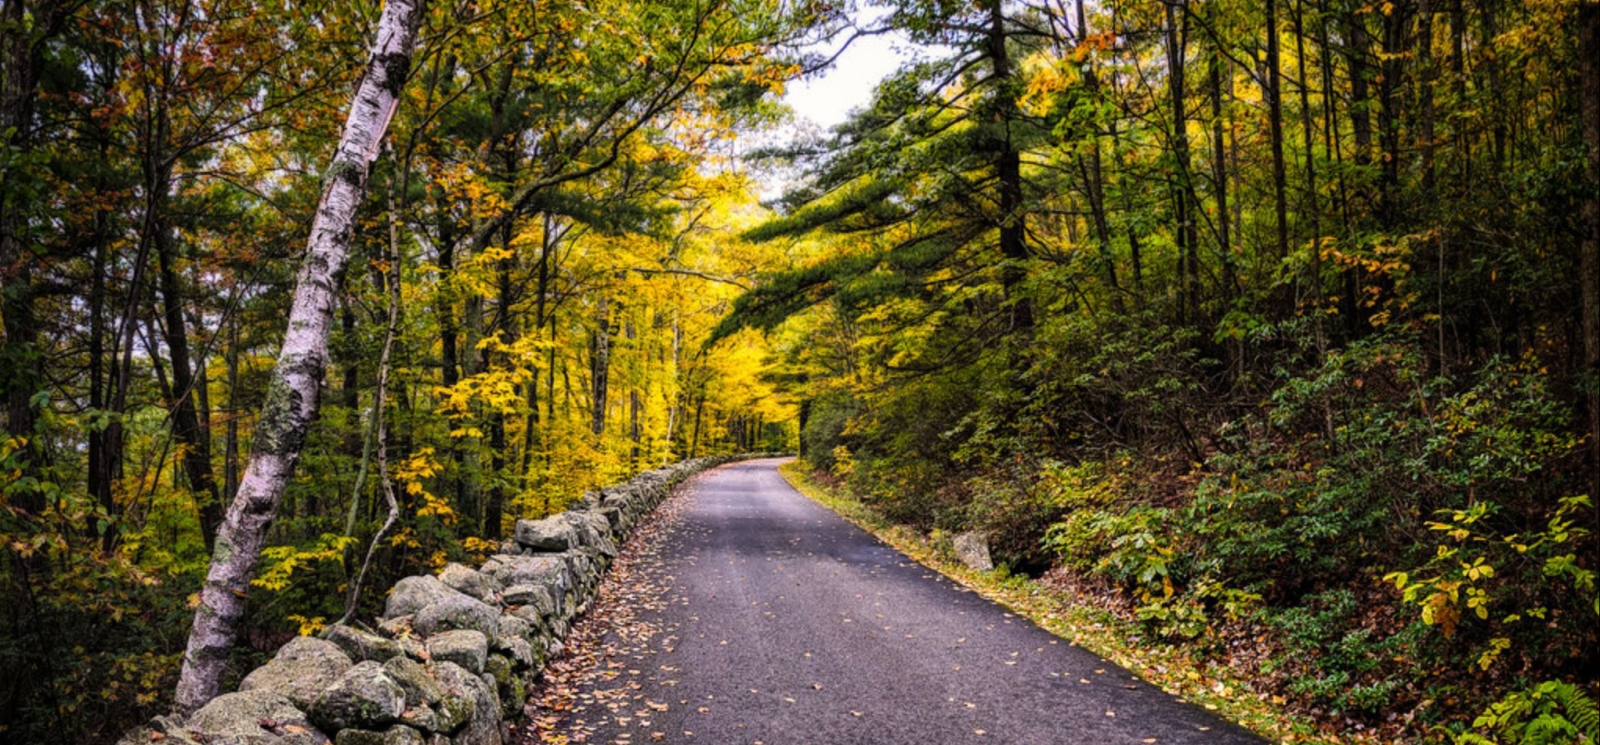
549, 233
1275, 325
1275, 321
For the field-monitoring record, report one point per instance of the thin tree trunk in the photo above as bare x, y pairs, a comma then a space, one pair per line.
1425, 98
379, 410
600, 365
1274, 96
1188, 256
230, 457
1219, 169
292, 394
1008, 170
185, 418
1313, 208
1589, 269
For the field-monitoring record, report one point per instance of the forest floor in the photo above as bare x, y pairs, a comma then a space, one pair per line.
746, 613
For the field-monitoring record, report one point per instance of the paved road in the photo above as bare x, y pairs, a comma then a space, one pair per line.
769, 619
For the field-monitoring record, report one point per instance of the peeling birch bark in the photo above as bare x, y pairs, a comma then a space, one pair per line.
292, 394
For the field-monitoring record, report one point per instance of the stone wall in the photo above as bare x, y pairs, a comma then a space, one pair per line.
450, 661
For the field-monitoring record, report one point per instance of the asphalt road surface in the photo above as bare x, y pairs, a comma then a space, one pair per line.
750, 614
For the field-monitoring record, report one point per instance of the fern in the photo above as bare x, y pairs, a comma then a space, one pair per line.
1551, 713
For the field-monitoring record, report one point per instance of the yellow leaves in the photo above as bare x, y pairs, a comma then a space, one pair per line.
1046, 76
422, 465
309, 626
1497, 645
283, 561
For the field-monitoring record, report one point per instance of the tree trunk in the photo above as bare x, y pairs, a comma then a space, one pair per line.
1308, 133
21, 365
1274, 96
1589, 265
1389, 87
1008, 170
600, 365
186, 427
1188, 256
1425, 97
292, 394
1219, 169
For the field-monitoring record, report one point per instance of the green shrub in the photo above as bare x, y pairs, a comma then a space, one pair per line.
1550, 713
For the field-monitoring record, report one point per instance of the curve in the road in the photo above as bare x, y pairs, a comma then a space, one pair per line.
753, 615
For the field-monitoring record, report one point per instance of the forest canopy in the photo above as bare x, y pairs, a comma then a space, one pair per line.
1273, 327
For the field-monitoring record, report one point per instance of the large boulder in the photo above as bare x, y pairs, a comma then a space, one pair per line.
553, 533
535, 595
365, 697
483, 728
360, 645
415, 593
300, 670
459, 612
259, 717
466, 647
593, 529
548, 571
419, 687
972, 548
469, 581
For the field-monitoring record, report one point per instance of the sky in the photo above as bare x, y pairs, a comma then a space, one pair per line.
827, 99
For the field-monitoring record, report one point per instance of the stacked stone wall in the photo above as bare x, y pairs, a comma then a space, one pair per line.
450, 661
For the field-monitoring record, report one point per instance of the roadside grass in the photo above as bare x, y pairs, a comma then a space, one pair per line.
1174, 669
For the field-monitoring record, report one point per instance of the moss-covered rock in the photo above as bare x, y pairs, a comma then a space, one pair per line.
365, 697
456, 613
300, 670
466, 647
483, 728
412, 594
360, 645
257, 717
469, 581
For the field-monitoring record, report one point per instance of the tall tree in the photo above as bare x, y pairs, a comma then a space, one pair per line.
292, 399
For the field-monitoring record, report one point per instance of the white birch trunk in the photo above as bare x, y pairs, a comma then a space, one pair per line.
292, 395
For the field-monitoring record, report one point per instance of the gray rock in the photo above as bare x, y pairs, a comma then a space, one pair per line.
413, 646
396, 735
365, 697
972, 548
529, 594
421, 718
420, 688
465, 647
613, 516
512, 627
521, 651
395, 627
531, 614
548, 571
483, 726
469, 581
549, 534
415, 593
300, 670
252, 718
360, 645
512, 691
458, 612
